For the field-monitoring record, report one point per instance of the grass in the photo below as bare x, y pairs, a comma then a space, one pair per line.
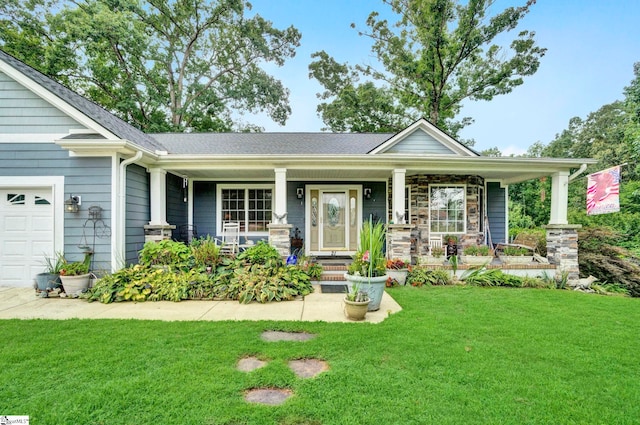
454, 355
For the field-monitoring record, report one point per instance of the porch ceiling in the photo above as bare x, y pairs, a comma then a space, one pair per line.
364, 167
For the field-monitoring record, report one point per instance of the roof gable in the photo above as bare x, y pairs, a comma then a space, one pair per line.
423, 138
77, 107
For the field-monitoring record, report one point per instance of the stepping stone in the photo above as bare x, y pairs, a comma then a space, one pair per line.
273, 336
308, 368
270, 396
249, 364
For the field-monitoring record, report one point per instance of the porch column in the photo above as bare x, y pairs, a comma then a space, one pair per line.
280, 197
397, 189
158, 229
559, 197
562, 248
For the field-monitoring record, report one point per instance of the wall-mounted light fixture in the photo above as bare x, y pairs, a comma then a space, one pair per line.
72, 204
367, 192
300, 192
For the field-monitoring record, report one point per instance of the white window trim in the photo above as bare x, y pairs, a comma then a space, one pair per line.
464, 209
246, 187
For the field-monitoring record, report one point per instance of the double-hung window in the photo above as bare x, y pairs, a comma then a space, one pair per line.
447, 212
251, 206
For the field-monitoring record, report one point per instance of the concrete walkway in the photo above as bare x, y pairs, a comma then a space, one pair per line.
23, 303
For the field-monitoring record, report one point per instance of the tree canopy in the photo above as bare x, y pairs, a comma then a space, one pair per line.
182, 65
438, 54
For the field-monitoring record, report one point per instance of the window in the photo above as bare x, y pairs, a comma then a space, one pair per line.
407, 204
249, 206
447, 209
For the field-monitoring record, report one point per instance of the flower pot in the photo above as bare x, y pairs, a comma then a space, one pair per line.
477, 260
399, 275
355, 310
74, 285
373, 286
516, 259
47, 281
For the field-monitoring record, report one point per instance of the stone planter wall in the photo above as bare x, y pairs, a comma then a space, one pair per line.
279, 237
562, 248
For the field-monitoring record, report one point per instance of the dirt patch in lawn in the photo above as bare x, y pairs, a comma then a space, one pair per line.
270, 396
308, 368
273, 336
248, 364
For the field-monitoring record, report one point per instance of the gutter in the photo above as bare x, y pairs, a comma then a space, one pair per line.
577, 173
122, 198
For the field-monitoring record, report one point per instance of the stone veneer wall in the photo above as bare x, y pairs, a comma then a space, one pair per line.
562, 248
419, 207
399, 241
279, 238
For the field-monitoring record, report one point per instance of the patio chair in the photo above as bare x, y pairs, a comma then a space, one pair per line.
230, 240
435, 242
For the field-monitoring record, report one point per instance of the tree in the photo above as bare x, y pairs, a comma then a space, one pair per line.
439, 54
162, 66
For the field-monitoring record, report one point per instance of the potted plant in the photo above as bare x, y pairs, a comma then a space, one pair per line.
515, 255
75, 277
356, 303
436, 256
50, 278
452, 245
397, 270
368, 266
477, 255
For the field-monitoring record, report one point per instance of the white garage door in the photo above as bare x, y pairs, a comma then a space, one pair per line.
26, 234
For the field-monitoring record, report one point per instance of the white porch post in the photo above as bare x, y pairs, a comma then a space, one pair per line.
158, 197
280, 197
397, 189
559, 197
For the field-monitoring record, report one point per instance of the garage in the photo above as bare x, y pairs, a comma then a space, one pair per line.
26, 233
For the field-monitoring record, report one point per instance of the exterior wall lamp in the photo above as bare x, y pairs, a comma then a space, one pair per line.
367, 192
72, 204
300, 192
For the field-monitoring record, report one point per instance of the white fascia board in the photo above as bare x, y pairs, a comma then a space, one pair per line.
54, 100
98, 147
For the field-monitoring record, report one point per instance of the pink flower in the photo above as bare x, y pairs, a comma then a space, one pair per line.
365, 256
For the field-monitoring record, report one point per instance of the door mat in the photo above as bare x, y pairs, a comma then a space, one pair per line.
333, 289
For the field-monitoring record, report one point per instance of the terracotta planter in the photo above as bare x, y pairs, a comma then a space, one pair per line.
399, 275
373, 286
74, 285
477, 260
355, 310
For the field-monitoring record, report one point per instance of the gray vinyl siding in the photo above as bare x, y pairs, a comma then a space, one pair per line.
177, 210
419, 142
89, 178
497, 211
204, 208
138, 211
375, 207
21, 111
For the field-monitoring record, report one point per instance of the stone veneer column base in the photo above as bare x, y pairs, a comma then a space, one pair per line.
158, 232
399, 241
562, 248
279, 237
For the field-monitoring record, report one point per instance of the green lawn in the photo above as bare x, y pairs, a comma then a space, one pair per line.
454, 355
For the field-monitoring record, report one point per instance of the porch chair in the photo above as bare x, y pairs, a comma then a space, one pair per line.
522, 240
229, 243
434, 242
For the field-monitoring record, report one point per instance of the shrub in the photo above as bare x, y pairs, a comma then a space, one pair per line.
166, 253
261, 253
205, 251
419, 276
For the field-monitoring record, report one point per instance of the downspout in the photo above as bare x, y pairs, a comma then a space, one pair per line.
122, 212
577, 173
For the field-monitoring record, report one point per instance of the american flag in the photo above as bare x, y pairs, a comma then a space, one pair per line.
603, 191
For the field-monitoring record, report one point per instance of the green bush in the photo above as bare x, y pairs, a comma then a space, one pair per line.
261, 253
205, 251
166, 253
419, 276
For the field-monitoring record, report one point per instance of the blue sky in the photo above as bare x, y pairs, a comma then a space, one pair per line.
592, 46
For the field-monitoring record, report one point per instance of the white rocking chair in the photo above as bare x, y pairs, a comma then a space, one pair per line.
229, 243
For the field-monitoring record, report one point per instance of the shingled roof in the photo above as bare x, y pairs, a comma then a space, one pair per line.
271, 143
97, 113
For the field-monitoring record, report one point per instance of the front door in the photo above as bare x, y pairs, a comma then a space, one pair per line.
333, 219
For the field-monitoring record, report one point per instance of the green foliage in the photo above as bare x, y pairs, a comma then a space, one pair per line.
166, 253
477, 250
206, 252
75, 268
263, 283
54, 264
514, 251
490, 277
356, 294
261, 253
437, 55
161, 66
419, 276
369, 259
